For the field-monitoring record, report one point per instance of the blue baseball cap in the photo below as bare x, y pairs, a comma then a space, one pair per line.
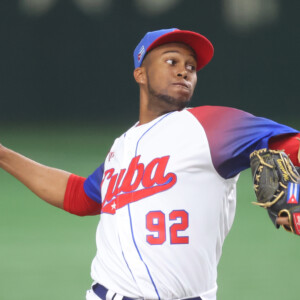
202, 47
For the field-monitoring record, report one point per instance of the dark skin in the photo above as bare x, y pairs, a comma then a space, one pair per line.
167, 79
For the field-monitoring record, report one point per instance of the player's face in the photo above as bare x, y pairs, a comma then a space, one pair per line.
171, 75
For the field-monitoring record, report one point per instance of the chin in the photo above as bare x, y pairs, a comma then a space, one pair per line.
170, 101
178, 103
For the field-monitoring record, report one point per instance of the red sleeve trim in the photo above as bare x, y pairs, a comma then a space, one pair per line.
76, 201
290, 144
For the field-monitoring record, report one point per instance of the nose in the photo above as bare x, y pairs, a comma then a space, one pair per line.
183, 74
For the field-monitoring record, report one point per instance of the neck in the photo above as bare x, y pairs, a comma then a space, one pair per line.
154, 105
153, 108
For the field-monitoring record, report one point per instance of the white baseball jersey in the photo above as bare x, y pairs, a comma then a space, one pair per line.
168, 193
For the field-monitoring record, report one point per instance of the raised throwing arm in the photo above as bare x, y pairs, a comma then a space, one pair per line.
47, 183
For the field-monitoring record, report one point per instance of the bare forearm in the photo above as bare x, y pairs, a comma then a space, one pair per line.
47, 183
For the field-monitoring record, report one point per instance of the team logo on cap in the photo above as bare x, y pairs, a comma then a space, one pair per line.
293, 193
141, 53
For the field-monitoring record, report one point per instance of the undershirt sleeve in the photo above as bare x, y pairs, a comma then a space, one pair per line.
76, 200
290, 144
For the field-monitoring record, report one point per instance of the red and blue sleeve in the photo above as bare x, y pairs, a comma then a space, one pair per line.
92, 185
233, 134
83, 195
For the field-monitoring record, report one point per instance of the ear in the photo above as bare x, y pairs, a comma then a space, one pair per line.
139, 75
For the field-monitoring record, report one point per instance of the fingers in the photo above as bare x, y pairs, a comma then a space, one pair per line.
282, 221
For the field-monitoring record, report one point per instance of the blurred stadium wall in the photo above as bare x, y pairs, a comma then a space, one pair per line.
72, 60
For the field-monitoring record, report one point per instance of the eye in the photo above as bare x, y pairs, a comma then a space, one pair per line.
191, 67
171, 61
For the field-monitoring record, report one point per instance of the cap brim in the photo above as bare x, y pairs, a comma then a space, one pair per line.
202, 47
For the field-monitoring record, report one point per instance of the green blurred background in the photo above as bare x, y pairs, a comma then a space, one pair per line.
67, 91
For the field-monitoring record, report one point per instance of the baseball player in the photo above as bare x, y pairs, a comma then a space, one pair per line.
166, 192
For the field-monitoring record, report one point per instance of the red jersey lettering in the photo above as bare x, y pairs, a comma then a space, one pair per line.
152, 177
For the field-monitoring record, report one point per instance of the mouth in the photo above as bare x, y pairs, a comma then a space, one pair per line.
183, 84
